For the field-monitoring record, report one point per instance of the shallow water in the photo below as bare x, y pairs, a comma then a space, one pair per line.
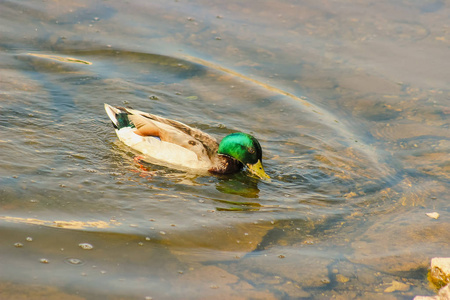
349, 100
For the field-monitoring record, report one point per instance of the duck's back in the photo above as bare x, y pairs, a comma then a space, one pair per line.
175, 127
175, 146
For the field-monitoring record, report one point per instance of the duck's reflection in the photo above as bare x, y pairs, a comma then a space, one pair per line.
241, 185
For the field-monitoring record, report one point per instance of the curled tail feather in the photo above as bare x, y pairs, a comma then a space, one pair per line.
118, 117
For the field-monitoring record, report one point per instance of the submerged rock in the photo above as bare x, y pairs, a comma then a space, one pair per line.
261, 267
439, 276
444, 294
216, 243
440, 271
397, 286
433, 215
212, 282
379, 247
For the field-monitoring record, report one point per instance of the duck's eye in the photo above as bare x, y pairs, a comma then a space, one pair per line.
193, 143
251, 150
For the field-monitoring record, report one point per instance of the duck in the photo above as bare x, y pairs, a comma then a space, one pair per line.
172, 143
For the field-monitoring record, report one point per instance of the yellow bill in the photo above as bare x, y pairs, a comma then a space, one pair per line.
258, 170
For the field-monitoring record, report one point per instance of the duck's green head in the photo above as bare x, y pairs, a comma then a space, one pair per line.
246, 149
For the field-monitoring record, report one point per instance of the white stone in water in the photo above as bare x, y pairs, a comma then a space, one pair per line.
440, 270
44, 260
74, 261
86, 246
433, 215
444, 293
397, 286
440, 275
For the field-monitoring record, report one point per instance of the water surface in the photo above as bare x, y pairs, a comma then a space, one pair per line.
349, 100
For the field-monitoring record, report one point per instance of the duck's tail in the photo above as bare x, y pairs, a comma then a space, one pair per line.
118, 117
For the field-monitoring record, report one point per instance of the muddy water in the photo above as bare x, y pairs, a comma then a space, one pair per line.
350, 101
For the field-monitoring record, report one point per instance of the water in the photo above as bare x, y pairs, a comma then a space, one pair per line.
349, 100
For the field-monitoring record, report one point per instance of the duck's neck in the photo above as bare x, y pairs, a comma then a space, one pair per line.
225, 164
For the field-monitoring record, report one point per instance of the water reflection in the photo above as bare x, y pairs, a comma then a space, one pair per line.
351, 113
240, 185
61, 58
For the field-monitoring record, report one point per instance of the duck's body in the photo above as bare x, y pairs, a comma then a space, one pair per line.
181, 146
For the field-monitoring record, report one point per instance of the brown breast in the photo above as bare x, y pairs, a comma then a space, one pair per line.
226, 165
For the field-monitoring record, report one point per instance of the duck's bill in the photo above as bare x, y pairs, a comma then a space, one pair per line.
258, 170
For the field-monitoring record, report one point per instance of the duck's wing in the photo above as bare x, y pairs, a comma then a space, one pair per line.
176, 132
177, 149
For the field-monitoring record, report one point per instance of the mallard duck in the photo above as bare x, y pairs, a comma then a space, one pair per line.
173, 143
